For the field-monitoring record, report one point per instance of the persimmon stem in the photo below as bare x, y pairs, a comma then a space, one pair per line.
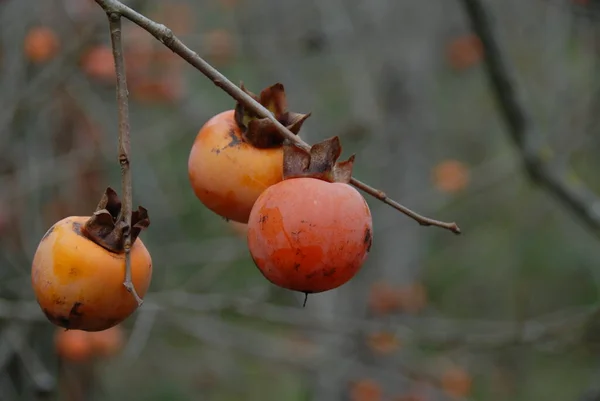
114, 19
167, 38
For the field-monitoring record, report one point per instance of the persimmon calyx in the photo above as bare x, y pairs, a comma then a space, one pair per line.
106, 227
320, 162
261, 132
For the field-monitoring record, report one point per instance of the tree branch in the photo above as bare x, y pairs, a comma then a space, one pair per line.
124, 145
579, 199
166, 37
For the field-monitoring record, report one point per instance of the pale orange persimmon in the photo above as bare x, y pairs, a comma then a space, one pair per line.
450, 176
236, 156
456, 382
98, 63
41, 44
366, 390
384, 299
464, 52
79, 267
383, 342
227, 173
107, 343
73, 345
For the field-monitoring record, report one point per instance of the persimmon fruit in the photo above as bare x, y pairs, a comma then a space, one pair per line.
78, 269
41, 44
237, 155
73, 345
312, 231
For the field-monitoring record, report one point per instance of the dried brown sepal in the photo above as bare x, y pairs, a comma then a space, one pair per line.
261, 132
321, 162
106, 226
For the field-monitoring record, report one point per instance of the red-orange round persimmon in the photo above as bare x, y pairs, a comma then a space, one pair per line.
236, 156
78, 269
312, 231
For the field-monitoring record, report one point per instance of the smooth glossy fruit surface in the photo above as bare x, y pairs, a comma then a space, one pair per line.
79, 284
228, 174
309, 235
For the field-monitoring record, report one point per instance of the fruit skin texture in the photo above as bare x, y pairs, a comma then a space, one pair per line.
228, 174
79, 284
309, 235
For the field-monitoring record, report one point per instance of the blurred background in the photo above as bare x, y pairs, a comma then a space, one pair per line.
506, 311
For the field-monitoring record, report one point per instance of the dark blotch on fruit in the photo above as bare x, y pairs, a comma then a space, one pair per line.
368, 239
75, 310
233, 139
77, 228
61, 321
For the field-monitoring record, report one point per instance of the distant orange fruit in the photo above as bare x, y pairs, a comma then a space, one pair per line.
365, 390
41, 44
383, 342
383, 298
456, 382
98, 63
464, 52
153, 90
450, 176
72, 345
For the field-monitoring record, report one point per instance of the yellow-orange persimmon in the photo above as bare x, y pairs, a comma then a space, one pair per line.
79, 267
236, 156
41, 44
73, 345
312, 231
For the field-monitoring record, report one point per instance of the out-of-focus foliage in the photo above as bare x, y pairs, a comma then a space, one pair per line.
501, 312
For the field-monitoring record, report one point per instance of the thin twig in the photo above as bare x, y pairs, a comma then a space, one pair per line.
124, 145
582, 202
166, 37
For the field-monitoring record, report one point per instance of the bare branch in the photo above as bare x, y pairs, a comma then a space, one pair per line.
579, 199
166, 37
124, 145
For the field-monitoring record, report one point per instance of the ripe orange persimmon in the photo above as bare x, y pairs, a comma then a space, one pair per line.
98, 63
107, 343
79, 267
41, 44
312, 231
366, 390
73, 345
236, 156
464, 52
456, 382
